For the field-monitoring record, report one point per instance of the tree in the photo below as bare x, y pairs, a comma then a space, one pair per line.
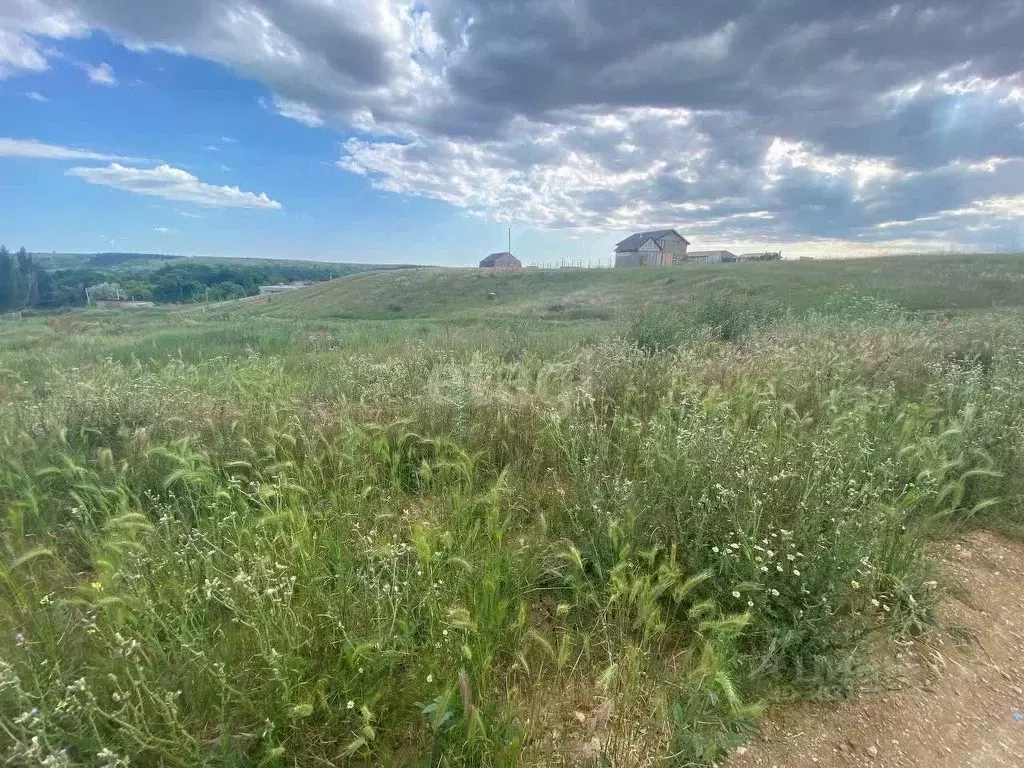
105, 292
175, 288
8, 286
28, 279
225, 291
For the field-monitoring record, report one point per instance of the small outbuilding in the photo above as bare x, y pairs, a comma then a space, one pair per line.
503, 260
711, 257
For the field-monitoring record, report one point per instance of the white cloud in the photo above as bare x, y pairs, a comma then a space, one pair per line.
163, 230
18, 53
211, 148
173, 184
803, 120
783, 157
100, 74
585, 172
30, 148
36, 96
299, 112
1004, 207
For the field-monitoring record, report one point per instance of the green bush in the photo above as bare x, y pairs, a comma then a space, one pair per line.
655, 330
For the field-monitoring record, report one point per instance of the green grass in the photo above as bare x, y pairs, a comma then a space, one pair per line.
485, 531
915, 282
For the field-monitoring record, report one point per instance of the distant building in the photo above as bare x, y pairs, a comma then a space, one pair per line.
116, 304
503, 260
659, 248
711, 257
286, 287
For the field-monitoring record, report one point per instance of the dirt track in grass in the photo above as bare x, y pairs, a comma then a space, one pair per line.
954, 698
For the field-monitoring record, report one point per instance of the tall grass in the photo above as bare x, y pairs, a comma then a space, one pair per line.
420, 543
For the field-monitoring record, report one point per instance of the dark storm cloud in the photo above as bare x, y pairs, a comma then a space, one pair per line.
795, 118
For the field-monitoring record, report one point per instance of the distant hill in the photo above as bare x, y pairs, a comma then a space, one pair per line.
108, 260
915, 282
137, 262
144, 263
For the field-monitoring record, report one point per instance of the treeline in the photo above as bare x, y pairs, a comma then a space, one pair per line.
26, 285
22, 283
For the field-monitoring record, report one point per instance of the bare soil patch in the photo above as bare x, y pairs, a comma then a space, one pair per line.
954, 699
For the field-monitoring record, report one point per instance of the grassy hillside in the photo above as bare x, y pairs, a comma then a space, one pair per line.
913, 282
260, 534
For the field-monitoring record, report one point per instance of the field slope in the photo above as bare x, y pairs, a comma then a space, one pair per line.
394, 521
913, 282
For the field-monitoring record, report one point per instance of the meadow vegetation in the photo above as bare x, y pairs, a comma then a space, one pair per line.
490, 533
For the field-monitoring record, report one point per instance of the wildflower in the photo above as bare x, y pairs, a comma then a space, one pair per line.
775, 593
874, 602
750, 603
98, 586
734, 545
430, 678
715, 550
796, 572
764, 569
855, 584
736, 594
351, 704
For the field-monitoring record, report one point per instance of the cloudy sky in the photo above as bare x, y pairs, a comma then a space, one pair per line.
383, 130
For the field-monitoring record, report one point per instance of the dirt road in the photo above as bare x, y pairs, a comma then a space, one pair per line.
957, 698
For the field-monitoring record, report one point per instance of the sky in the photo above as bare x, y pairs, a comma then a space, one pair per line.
394, 132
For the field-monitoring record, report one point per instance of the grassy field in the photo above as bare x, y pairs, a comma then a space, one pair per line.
914, 282
600, 518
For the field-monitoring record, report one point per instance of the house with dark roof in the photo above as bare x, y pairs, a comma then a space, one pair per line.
658, 248
503, 260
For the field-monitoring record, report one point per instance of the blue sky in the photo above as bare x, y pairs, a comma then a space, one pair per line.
197, 116
381, 131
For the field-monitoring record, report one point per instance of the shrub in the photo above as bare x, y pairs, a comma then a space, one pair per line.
654, 330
